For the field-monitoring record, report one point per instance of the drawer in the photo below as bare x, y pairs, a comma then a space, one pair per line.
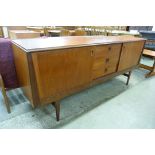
103, 70
106, 59
110, 68
97, 73
98, 63
101, 51
104, 50
101, 62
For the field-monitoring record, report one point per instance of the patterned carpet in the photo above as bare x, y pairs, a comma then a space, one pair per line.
24, 116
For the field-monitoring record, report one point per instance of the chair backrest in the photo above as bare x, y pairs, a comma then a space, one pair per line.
80, 32
64, 32
46, 29
1, 32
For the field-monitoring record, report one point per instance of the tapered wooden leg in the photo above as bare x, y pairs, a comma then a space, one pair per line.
129, 75
6, 101
57, 109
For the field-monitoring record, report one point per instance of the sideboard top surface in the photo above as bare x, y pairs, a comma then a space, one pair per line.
50, 43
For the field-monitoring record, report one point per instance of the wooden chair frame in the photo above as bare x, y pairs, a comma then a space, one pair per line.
149, 53
6, 100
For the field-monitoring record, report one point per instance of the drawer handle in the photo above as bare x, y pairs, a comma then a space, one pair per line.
107, 60
109, 48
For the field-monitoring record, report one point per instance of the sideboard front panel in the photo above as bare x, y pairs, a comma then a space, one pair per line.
59, 71
130, 55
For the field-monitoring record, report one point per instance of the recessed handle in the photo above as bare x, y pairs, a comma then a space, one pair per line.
109, 48
92, 52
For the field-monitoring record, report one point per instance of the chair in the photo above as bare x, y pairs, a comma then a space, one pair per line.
1, 32
8, 78
101, 30
80, 32
64, 32
39, 29
46, 31
151, 54
92, 30
6, 101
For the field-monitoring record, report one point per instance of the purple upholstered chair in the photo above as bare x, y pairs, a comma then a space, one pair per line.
8, 79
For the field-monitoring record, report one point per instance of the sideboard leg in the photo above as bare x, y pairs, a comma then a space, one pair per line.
129, 75
57, 109
6, 101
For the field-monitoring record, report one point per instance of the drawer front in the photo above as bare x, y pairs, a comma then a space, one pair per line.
97, 73
99, 63
103, 50
106, 59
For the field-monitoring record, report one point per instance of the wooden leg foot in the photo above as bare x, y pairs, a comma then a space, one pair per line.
57, 109
150, 74
7, 104
6, 101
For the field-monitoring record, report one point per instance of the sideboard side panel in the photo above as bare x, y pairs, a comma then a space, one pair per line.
22, 70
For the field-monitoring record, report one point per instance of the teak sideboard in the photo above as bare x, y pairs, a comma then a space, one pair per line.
48, 69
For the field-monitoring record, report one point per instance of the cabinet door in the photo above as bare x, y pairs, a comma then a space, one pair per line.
106, 59
59, 71
130, 55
